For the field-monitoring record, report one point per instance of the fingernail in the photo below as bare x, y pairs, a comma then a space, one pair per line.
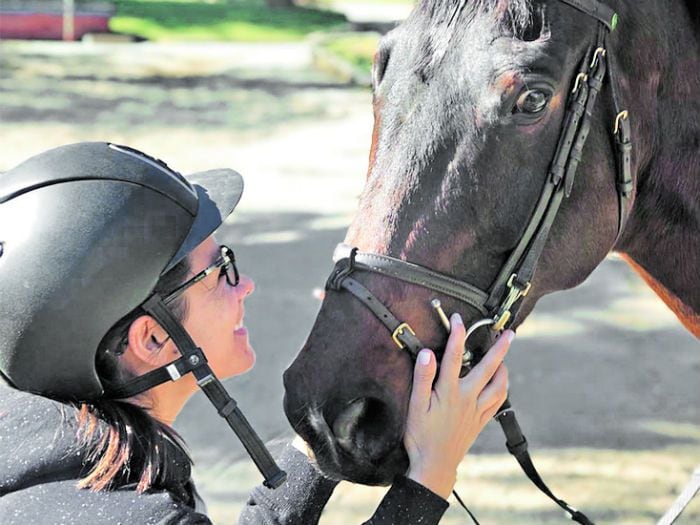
424, 357
457, 319
509, 335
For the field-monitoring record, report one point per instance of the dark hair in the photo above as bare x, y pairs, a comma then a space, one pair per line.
123, 440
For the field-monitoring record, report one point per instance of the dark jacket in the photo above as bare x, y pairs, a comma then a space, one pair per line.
40, 463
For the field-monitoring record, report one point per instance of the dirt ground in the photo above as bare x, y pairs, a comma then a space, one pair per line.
603, 377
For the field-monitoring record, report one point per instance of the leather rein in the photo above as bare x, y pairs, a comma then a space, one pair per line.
500, 304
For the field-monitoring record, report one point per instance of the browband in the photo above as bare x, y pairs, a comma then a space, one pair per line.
413, 273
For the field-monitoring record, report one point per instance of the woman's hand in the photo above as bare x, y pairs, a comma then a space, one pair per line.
443, 423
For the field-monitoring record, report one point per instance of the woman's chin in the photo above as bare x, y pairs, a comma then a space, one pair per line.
250, 357
238, 359
244, 354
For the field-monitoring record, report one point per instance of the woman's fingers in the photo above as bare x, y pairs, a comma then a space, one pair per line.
423, 376
496, 391
452, 358
486, 368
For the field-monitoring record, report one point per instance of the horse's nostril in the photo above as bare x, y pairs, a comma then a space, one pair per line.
345, 424
362, 428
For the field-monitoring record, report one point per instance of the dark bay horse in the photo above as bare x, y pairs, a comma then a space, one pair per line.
470, 102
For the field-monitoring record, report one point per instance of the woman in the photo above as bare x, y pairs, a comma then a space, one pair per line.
117, 304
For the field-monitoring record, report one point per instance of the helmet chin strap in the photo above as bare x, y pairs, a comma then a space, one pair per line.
193, 360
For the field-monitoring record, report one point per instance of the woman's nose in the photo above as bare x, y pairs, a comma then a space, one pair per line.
245, 286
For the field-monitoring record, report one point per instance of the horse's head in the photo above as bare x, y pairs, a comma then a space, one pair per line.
470, 98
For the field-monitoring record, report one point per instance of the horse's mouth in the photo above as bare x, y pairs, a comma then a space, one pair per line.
343, 459
343, 467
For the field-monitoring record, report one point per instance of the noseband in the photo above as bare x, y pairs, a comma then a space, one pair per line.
499, 305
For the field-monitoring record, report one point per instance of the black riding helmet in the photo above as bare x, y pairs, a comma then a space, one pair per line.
81, 223
88, 221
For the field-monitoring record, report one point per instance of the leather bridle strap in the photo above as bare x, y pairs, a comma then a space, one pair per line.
517, 445
402, 334
523, 261
622, 131
597, 10
412, 273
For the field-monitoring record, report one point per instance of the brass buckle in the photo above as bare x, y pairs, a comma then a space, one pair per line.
511, 285
399, 331
581, 77
600, 52
514, 294
620, 116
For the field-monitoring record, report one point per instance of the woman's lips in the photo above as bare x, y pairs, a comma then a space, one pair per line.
241, 331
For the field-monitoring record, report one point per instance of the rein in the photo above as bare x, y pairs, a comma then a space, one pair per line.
500, 304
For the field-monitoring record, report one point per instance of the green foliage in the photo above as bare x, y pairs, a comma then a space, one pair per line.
233, 20
357, 49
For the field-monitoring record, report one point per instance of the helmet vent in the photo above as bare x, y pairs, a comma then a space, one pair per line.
157, 163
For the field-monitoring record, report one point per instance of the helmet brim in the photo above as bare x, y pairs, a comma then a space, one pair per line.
218, 192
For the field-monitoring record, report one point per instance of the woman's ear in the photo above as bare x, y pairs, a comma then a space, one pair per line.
148, 344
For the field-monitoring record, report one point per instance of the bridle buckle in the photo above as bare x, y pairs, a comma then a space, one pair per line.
599, 52
580, 78
516, 292
399, 332
622, 115
514, 286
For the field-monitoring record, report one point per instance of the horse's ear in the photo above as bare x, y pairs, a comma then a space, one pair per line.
381, 61
526, 24
381, 58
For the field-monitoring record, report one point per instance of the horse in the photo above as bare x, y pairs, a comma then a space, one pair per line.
473, 100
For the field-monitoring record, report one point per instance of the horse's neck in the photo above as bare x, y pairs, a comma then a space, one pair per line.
662, 241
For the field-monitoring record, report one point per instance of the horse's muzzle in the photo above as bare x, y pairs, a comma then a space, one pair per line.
358, 440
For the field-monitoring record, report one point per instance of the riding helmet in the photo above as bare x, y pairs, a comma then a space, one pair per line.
86, 231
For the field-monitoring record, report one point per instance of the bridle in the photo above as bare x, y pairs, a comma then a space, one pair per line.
499, 305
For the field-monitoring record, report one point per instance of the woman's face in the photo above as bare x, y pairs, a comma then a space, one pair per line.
215, 315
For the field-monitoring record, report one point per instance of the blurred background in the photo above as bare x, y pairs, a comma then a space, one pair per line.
604, 378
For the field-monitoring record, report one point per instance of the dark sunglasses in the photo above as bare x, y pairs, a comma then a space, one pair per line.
226, 264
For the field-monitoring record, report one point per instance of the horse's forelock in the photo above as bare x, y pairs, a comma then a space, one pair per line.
444, 22
515, 16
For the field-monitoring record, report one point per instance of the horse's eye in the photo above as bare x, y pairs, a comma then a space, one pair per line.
532, 101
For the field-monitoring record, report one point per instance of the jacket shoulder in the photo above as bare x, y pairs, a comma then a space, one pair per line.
60, 502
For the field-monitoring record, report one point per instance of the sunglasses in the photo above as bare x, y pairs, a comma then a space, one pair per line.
226, 264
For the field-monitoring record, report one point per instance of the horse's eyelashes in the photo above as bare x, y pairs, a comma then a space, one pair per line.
531, 101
